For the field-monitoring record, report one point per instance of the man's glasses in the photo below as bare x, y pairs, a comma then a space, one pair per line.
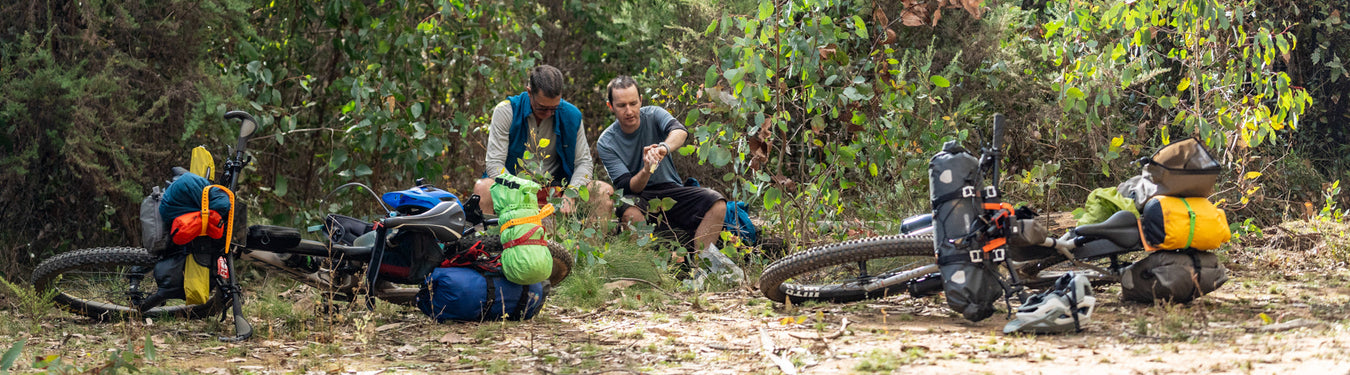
539, 108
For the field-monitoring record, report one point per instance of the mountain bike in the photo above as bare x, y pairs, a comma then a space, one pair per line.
110, 283
877, 267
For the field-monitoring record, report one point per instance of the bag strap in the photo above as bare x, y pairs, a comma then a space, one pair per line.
206, 213
967, 191
1189, 212
491, 297
525, 240
534, 219
522, 304
1195, 263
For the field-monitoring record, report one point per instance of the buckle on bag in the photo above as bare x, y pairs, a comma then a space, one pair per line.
990, 192
998, 254
968, 192
977, 256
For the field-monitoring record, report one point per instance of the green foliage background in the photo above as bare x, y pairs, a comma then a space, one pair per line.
100, 98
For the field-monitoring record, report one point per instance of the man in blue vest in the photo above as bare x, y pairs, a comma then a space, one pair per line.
537, 133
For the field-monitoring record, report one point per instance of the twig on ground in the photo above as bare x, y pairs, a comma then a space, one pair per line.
766, 345
654, 286
592, 313
843, 325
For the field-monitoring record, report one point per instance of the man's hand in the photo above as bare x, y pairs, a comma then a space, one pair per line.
569, 206
652, 156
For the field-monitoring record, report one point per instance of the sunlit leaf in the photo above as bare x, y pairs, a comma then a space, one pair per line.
939, 81
1251, 175
1075, 93
765, 9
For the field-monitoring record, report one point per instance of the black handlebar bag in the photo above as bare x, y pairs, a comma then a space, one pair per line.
969, 279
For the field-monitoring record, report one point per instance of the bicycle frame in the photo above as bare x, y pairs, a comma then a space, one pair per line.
1115, 237
352, 260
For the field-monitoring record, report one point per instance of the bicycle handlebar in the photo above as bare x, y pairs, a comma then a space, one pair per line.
998, 131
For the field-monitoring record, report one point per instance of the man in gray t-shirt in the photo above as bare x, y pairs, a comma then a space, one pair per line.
635, 149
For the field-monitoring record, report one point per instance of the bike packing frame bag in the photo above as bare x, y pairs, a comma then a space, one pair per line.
465, 294
272, 238
410, 255
1177, 276
1172, 223
970, 281
1183, 169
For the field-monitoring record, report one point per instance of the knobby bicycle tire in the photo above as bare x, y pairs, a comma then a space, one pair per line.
775, 285
115, 262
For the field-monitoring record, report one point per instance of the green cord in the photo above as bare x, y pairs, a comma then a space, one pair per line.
1191, 212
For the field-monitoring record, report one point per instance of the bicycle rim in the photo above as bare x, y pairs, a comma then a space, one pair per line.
101, 283
838, 272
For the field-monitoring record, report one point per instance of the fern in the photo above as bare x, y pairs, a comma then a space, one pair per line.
36, 305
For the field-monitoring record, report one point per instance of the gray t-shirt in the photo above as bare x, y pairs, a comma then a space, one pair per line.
622, 153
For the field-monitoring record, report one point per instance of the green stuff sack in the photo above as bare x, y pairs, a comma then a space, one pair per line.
1101, 204
525, 256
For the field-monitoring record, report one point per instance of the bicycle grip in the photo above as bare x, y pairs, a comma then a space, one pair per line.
240, 115
998, 131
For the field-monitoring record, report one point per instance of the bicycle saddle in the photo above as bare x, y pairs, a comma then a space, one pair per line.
445, 221
1121, 228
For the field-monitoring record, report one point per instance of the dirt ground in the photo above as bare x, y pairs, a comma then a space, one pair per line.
1282, 311
741, 332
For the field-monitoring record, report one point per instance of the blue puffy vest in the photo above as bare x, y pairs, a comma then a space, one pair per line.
566, 124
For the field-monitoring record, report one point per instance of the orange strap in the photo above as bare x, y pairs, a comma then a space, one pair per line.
535, 219
206, 212
994, 244
1001, 206
998, 242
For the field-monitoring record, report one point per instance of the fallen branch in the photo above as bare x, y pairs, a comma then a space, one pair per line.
766, 345
593, 313
843, 325
653, 285
1292, 324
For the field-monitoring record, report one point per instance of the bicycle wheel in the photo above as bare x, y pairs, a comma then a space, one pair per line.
562, 259
100, 283
838, 272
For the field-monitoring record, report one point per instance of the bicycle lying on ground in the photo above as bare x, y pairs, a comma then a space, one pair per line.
905, 263
109, 283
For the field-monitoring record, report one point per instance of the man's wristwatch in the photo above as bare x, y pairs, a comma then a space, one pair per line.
663, 145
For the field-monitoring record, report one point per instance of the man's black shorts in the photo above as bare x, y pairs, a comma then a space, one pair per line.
691, 203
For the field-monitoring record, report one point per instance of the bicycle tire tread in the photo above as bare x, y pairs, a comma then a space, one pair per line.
50, 269
771, 281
